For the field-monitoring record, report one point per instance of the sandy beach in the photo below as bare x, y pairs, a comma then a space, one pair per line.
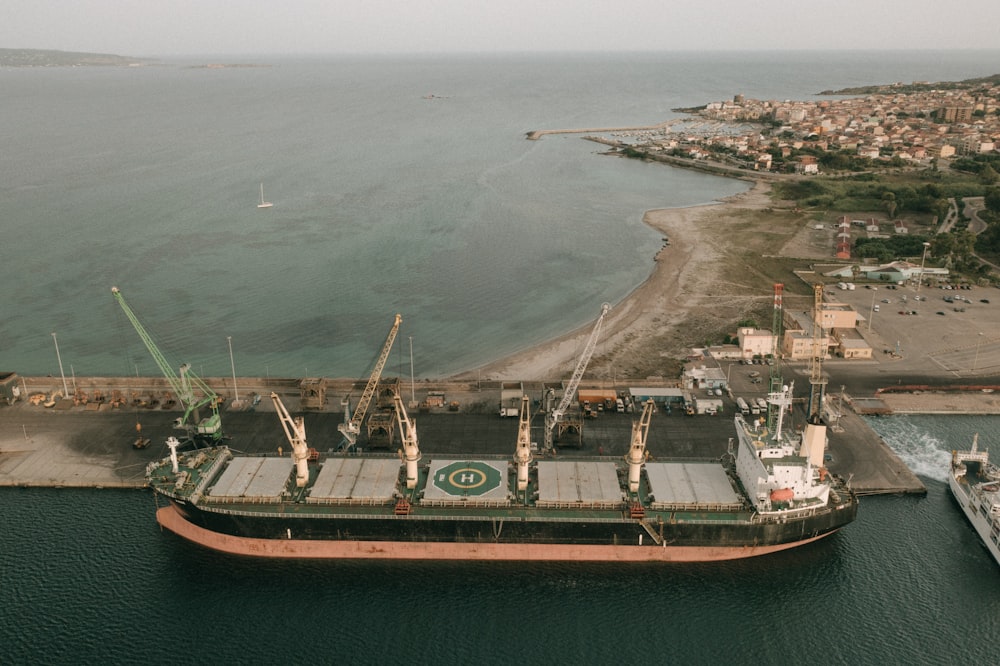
644, 323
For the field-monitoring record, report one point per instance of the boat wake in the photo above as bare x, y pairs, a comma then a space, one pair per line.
925, 455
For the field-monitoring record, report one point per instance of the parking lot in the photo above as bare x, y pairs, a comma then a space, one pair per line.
951, 334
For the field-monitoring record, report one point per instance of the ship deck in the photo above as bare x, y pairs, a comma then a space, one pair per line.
344, 485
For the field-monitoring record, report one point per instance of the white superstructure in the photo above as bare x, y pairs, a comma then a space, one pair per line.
975, 483
781, 473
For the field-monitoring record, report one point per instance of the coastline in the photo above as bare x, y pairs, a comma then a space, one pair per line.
658, 303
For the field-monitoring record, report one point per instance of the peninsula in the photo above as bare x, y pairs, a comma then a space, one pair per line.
51, 58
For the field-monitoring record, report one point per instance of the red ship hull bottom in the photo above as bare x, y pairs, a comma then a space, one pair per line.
169, 518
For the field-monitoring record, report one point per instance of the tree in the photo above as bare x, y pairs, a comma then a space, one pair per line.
889, 200
992, 199
965, 246
941, 207
988, 176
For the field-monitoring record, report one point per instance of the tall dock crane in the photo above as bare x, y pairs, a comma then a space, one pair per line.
351, 427
817, 383
775, 384
553, 417
200, 430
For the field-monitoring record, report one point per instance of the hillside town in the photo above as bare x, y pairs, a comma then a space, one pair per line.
908, 124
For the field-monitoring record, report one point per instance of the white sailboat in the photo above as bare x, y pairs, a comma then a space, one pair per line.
263, 204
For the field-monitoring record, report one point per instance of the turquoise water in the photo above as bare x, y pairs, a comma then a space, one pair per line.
147, 179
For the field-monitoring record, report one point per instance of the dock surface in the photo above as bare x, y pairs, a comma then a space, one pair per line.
80, 446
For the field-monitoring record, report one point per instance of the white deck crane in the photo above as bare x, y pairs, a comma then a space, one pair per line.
408, 433
522, 455
295, 432
351, 426
636, 455
208, 429
553, 417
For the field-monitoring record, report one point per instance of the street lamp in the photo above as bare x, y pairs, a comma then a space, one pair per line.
871, 312
413, 389
236, 394
61, 373
979, 341
923, 258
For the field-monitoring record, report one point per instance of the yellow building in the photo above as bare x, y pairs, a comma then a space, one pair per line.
838, 315
798, 345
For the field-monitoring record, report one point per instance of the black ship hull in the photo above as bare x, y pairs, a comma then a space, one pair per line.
738, 534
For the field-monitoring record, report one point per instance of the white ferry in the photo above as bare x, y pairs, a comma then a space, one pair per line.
975, 483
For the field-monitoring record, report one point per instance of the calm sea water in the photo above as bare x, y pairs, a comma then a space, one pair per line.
87, 577
384, 201
437, 208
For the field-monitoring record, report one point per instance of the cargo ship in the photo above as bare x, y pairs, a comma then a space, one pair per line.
770, 492
975, 484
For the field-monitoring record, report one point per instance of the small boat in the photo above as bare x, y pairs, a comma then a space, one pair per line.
263, 204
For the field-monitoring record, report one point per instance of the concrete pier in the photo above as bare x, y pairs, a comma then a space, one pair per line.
534, 135
69, 444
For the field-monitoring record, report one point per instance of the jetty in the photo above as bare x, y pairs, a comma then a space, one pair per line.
535, 135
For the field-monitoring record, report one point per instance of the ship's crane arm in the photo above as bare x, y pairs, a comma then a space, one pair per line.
211, 426
411, 450
637, 450
351, 428
553, 416
295, 433
522, 455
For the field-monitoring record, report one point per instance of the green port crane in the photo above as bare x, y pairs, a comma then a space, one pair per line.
206, 430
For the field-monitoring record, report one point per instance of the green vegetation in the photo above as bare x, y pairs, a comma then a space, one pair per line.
48, 58
888, 249
907, 88
900, 193
988, 242
920, 196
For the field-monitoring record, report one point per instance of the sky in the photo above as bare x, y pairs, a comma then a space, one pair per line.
203, 27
